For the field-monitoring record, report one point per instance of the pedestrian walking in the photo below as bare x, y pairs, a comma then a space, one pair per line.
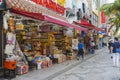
115, 46
110, 46
92, 44
81, 50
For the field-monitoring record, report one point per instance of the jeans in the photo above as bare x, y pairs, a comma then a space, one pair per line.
115, 59
93, 51
80, 53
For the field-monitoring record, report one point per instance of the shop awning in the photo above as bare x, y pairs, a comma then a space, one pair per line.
63, 23
84, 23
99, 29
37, 16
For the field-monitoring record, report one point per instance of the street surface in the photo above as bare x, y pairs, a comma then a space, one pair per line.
96, 66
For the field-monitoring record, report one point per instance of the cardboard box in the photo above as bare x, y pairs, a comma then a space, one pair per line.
49, 63
23, 69
69, 57
59, 60
44, 64
63, 58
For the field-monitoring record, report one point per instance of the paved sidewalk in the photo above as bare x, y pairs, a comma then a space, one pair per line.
98, 67
55, 70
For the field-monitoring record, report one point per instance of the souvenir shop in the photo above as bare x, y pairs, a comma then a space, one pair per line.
33, 42
36, 41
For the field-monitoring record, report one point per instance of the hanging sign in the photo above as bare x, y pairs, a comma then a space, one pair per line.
51, 5
103, 18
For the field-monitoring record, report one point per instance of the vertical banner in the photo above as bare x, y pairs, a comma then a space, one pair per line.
75, 44
103, 18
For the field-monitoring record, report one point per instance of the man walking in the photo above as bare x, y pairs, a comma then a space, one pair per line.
115, 45
81, 50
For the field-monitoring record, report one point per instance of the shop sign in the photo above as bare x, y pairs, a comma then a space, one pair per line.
103, 18
28, 6
61, 2
51, 5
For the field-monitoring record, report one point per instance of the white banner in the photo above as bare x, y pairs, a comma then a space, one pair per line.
75, 44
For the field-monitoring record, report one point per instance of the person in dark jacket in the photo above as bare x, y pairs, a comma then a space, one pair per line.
115, 45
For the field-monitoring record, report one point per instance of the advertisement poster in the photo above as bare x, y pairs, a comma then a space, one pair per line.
75, 44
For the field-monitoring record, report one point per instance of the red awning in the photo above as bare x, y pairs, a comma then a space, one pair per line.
47, 18
28, 14
99, 29
84, 23
63, 23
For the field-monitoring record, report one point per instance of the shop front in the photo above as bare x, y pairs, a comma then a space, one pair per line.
92, 35
35, 40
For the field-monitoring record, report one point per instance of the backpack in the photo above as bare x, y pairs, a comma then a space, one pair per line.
117, 45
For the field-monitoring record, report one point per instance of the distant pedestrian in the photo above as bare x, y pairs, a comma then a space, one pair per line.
81, 50
110, 46
115, 45
92, 44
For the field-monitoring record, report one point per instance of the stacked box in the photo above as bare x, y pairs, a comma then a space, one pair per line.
74, 56
69, 57
63, 58
44, 64
59, 60
23, 69
49, 63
